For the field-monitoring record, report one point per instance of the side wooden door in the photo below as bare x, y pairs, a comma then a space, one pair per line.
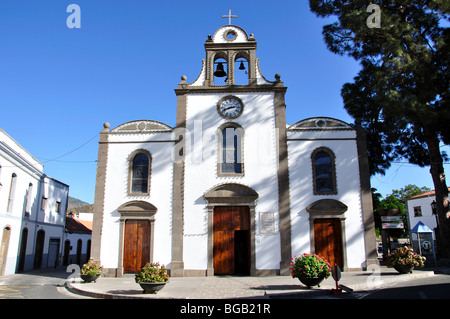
328, 240
136, 248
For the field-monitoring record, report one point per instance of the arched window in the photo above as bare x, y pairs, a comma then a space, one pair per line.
241, 73
140, 173
324, 174
230, 150
12, 190
28, 200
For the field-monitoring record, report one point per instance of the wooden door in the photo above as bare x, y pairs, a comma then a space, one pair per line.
136, 248
328, 240
231, 232
4, 249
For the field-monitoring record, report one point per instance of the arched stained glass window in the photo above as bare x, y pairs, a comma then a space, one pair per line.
140, 174
324, 172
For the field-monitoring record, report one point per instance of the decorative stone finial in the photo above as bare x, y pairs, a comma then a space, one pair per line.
105, 127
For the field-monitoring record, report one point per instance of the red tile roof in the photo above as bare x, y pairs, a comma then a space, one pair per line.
78, 226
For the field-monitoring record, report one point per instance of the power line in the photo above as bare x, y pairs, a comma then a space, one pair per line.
70, 152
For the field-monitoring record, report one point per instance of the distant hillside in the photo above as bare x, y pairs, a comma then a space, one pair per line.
75, 202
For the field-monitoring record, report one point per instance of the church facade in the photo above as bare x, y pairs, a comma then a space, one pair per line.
232, 189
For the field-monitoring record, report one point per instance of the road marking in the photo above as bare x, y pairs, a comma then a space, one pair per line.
6, 291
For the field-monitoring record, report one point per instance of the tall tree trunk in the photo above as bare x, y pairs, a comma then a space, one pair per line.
440, 186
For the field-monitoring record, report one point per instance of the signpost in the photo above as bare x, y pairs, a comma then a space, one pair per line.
336, 274
392, 225
392, 222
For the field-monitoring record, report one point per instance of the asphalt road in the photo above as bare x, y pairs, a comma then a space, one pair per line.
436, 287
40, 284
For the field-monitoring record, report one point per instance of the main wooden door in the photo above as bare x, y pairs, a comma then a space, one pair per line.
136, 247
328, 240
231, 240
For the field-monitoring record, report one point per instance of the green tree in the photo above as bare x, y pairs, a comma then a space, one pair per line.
409, 191
401, 95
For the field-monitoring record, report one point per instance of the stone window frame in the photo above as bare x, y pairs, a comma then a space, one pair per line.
220, 149
333, 171
130, 172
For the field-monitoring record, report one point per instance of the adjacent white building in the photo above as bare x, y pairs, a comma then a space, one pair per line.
233, 188
32, 211
419, 210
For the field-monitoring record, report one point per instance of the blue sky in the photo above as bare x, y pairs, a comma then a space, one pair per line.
59, 85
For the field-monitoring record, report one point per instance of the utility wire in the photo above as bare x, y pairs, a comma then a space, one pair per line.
70, 152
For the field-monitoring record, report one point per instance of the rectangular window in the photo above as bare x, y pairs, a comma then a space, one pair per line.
58, 207
417, 211
43, 203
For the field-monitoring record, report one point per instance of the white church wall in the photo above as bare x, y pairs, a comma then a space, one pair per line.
116, 192
348, 189
260, 172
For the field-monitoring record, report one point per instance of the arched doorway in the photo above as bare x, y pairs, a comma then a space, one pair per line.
4, 249
231, 230
327, 230
66, 260
39, 250
136, 235
23, 250
79, 249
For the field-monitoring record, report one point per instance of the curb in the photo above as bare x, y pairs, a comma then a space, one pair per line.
373, 282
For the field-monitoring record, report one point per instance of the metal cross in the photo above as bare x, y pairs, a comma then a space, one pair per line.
229, 16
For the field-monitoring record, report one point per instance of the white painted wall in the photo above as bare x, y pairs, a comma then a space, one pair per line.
260, 171
26, 209
348, 186
116, 193
427, 217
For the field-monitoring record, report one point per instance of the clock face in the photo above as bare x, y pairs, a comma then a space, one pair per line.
230, 107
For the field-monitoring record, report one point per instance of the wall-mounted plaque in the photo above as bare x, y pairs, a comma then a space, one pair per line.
267, 222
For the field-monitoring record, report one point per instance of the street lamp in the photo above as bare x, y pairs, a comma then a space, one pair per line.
433, 207
434, 212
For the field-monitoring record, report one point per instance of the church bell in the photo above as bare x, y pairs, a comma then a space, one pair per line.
219, 70
242, 67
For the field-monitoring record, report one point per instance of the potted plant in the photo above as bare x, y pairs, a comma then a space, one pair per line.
310, 269
152, 277
91, 271
404, 259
